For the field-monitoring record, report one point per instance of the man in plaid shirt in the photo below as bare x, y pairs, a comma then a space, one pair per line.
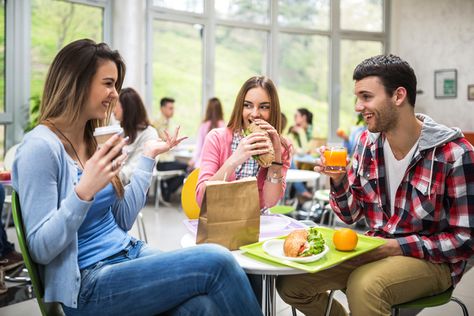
413, 181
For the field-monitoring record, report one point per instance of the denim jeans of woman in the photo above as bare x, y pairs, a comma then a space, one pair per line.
201, 280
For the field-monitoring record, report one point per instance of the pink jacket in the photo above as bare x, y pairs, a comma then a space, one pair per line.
216, 150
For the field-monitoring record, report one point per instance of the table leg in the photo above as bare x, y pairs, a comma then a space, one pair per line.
269, 295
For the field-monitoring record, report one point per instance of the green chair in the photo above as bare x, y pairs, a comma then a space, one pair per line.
431, 301
46, 308
282, 209
424, 302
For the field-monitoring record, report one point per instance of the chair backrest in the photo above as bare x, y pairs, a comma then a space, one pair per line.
188, 195
9, 157
46, 308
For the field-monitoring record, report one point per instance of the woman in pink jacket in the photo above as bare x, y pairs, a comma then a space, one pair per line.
227, 153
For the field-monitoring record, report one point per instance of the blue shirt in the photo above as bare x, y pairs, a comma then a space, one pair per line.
44, 176
99, 235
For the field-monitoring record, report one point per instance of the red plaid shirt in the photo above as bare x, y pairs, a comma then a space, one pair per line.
433, 217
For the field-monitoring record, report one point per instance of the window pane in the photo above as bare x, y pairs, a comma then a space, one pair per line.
2, 141
352, 53
177, 71
196, 6
256, 11
240, 54
55, 24
309, 13
2, 56
362, 15
303, 67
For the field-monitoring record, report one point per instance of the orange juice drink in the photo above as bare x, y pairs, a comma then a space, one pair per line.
336, 159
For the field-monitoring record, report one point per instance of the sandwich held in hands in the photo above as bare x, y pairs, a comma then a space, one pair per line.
264, 160
303, 243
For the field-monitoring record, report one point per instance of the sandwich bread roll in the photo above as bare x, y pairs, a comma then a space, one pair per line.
264, 160
295, 243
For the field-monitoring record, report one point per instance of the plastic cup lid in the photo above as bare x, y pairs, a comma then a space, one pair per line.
104, 130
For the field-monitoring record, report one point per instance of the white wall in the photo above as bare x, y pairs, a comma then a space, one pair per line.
433, 35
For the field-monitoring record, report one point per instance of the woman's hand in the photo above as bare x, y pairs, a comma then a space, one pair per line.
321, 164
102, 167
251, 145
274, 137
153, 148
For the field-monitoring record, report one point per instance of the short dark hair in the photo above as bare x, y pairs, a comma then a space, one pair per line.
392, 71
308, 114
165, 100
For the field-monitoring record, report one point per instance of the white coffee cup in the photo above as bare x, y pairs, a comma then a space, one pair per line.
102, 134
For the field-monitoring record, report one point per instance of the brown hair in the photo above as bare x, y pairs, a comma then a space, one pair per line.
236, 120
214, 112
67, 87
134, 117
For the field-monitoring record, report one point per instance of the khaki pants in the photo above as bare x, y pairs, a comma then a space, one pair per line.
371, 289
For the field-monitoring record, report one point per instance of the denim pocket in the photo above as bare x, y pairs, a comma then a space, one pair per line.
88, 282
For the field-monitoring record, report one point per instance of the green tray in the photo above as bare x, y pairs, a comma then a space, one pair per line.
332, 258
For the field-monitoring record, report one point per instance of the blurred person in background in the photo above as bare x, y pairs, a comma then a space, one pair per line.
167, 161
9, 258
214, 118
131, 113
350, 141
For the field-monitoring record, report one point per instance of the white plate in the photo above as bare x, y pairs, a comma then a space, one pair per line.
271, 223
274, 247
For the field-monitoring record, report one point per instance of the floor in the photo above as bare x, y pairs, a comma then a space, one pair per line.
164, 228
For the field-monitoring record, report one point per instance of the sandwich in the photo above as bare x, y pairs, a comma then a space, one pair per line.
264, 160
303, 243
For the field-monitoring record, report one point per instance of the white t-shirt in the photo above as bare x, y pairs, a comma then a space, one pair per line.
395, 170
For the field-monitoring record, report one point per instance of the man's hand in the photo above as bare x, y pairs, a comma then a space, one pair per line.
390, 248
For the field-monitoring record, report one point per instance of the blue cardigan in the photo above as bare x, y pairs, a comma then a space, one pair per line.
44, 176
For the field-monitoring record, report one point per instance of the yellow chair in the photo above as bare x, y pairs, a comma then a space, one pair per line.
188, 195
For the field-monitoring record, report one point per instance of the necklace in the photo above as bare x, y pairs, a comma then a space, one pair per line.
67, 139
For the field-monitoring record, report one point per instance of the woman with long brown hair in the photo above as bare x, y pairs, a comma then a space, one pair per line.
131, 113
214, 118
77, 212
228, 152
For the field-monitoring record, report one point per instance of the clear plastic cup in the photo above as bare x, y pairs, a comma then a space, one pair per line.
336, 159
102, 134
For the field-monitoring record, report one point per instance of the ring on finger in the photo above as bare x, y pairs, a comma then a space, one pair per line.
114, 164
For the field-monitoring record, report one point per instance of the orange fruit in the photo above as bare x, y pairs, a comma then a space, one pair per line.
345, 239
340, 132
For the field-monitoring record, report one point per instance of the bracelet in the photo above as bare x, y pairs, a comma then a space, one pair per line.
277, 163
274, 180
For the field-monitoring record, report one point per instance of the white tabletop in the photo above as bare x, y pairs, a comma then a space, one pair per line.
250, 265
295, 175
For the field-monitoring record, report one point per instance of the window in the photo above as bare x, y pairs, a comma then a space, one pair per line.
352, 53
2, 55
2, 73
55, 24
177, 71
303, 78
195, 6
312, 14
256, 11
362, 15
242, 47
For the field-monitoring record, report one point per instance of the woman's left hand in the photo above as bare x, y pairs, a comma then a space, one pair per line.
153, 148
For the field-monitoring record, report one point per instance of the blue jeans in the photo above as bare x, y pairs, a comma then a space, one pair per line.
299, 186
201, 280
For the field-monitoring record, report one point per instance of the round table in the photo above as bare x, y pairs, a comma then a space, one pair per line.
296, 175
268, 272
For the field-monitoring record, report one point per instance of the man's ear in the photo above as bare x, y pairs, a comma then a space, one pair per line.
400, 95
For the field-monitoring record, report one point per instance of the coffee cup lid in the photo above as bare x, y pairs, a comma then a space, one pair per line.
104, 130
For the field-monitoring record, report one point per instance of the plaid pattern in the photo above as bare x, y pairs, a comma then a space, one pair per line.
247, 169
434, 206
